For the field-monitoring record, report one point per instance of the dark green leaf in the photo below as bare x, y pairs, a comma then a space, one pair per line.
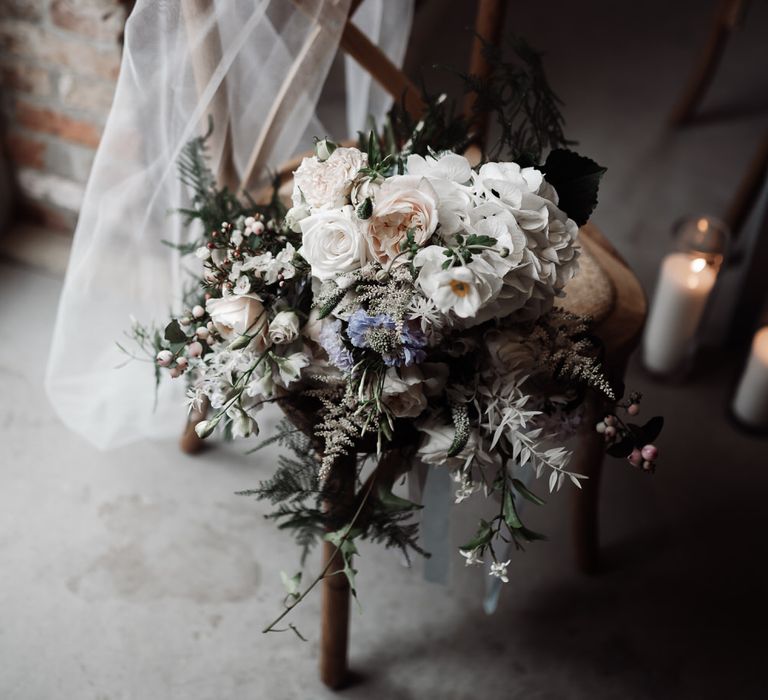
481, 538
623, 448
394, 503
365, 209
576, 179
174, 333
511, 517
530, 535
526, 493
652, 429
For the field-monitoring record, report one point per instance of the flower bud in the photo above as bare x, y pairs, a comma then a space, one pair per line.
195, 349
633, 409
175, 372
164, 358
198, 311
650, 453
324, 148
240, 342
204, 428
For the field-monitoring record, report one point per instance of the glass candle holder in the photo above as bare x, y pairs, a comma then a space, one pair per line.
686, 279
750, 401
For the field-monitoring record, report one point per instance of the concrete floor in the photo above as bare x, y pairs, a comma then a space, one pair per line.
138, 574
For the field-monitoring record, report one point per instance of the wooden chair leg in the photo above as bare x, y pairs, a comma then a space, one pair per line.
334, 632
749, 189
726, 19
334, 624
189, 442
588, 460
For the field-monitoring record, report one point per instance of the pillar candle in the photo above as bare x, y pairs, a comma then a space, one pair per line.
750, 405
681, 294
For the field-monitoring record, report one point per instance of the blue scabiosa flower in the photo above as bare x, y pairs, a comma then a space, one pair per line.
380, 334
331, 341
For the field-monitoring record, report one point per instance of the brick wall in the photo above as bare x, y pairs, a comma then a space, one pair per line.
59, 60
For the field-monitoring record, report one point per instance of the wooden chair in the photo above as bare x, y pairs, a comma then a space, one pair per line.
725, 21
607, 289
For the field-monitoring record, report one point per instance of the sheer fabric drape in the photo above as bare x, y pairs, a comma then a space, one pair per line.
119, 265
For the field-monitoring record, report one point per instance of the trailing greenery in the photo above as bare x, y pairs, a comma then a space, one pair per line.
297, 494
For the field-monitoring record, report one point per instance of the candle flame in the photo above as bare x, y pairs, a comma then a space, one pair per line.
702, 225
698, 264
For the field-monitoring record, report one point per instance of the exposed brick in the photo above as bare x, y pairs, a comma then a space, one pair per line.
68, 160
26, 151
31, 10
91, 95
19, 75
98, 19
47, 215
31, 41
44, 187
51, 122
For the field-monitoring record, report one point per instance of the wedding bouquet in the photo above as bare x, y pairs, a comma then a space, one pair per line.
405, 304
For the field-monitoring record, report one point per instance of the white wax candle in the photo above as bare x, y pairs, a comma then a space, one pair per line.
751, 401
681, 295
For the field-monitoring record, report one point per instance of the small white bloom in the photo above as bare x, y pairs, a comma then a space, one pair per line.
499, 570
203, 252
236, 237
243, 285
466, 489
290, 366
471, 557
463, 290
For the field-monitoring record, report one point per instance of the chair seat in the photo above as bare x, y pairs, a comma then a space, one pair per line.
608, 290
590, 292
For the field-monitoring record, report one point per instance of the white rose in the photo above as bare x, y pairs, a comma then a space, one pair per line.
403, 392
240, 315
332, 242
284, 328
403, 203
327, 183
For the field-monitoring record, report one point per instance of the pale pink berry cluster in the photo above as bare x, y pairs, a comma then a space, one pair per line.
615, 430
202, 336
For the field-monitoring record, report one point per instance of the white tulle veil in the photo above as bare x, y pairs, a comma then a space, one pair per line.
183, 62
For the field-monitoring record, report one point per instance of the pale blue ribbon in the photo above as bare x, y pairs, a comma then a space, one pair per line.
435, 524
